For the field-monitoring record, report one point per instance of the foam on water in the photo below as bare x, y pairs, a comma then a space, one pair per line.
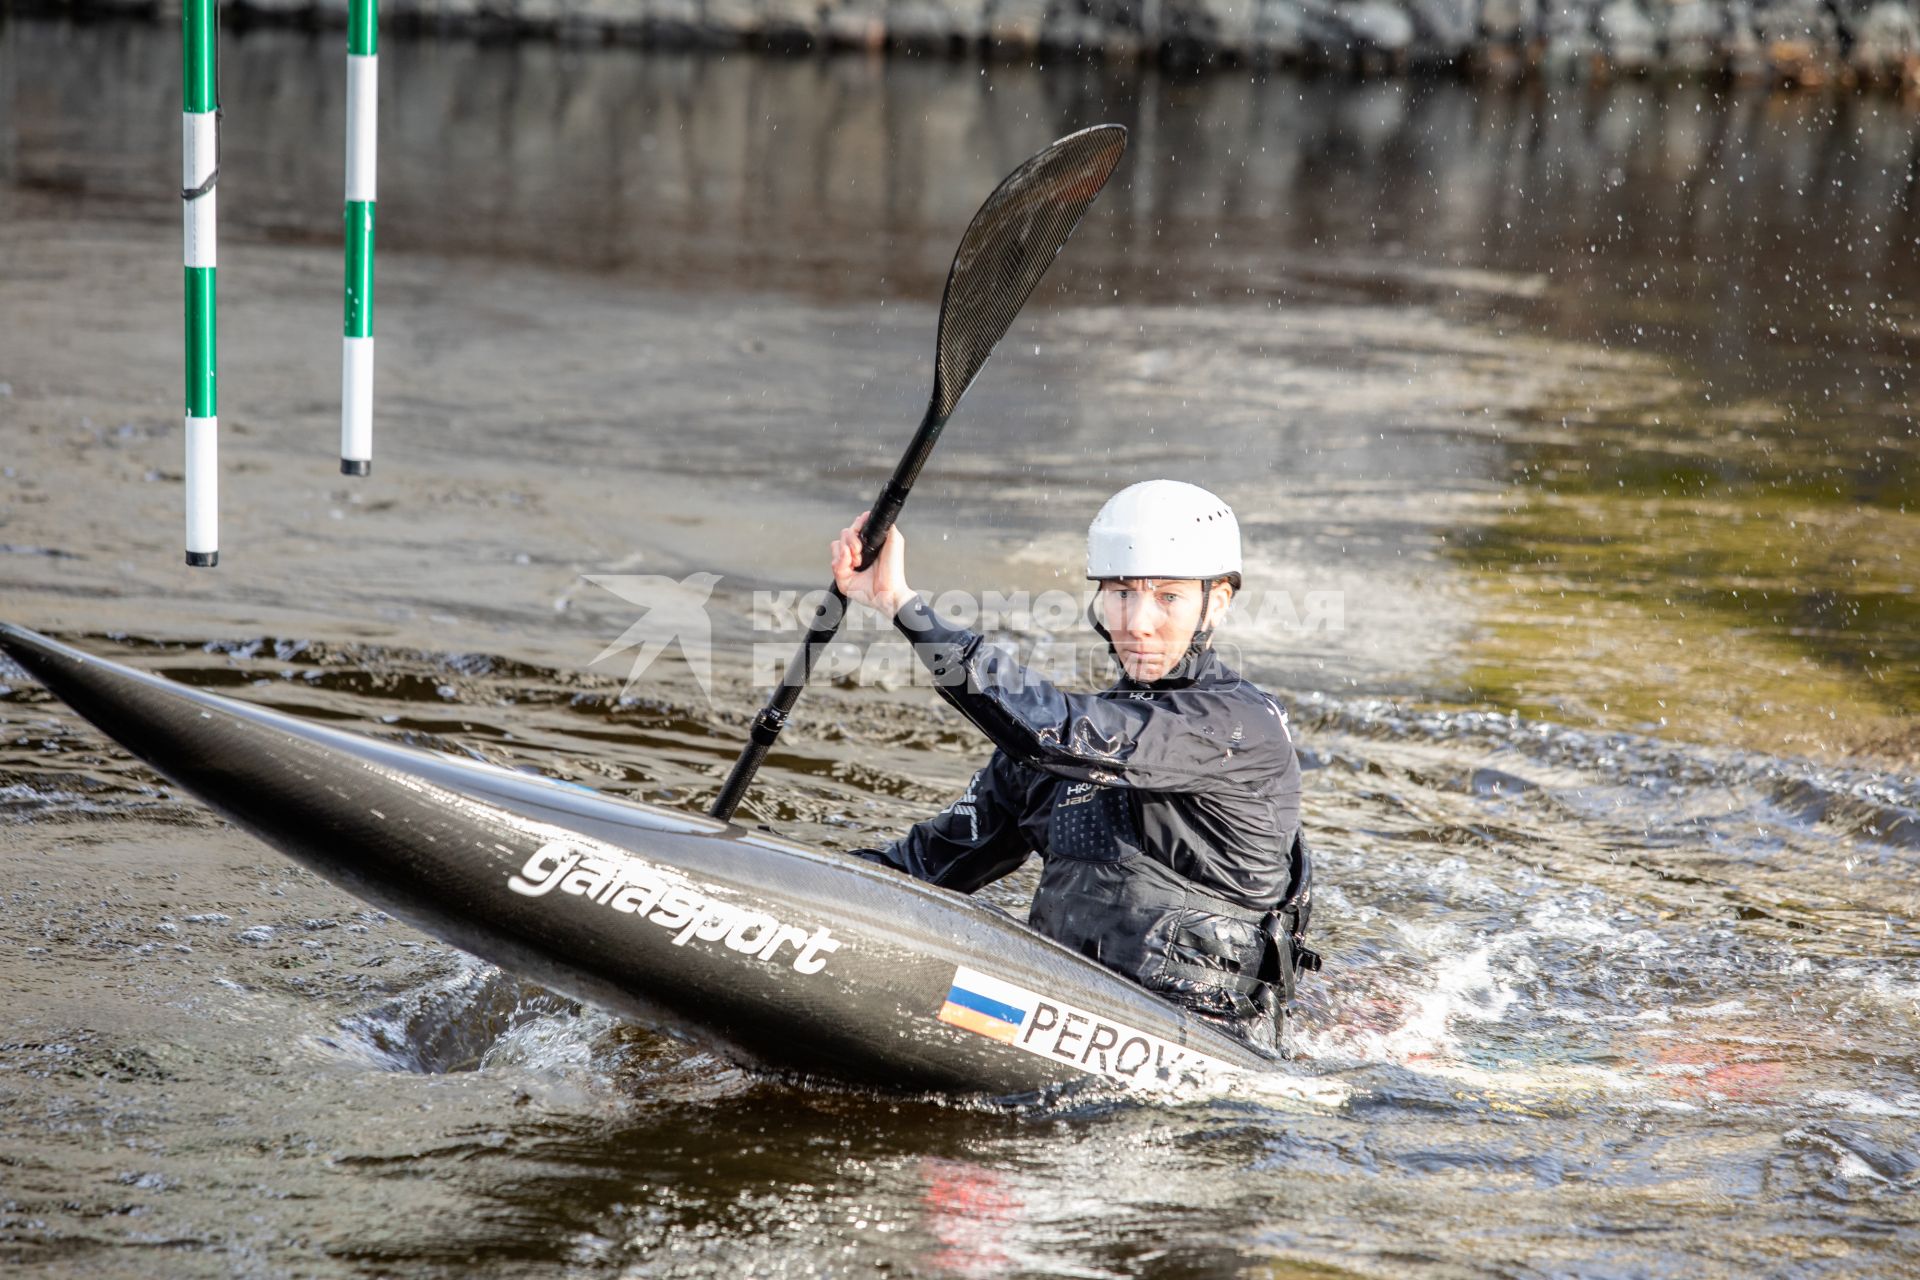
551, 1042
1879, 806
469, 1016
1404, 1021
1853, 1101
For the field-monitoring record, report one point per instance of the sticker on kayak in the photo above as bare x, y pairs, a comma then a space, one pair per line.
621, 882
1049, 1028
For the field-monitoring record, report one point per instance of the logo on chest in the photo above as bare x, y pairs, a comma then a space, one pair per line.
1077, 793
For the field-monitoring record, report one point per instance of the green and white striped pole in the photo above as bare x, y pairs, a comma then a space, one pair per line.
356, 359
199, 172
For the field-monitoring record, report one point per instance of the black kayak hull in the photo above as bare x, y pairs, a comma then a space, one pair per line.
778, 955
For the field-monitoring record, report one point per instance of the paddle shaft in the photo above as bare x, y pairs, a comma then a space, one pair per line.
1007, 247
772, 717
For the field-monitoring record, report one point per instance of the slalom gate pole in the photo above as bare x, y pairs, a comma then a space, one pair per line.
199, 173
356, 356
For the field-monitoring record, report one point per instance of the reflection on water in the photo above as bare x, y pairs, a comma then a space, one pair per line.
1778, 613
1594, 404
969, 1209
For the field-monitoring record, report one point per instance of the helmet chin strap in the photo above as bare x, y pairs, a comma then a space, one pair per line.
1202, 634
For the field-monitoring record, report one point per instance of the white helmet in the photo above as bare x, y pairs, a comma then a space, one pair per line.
1164, 529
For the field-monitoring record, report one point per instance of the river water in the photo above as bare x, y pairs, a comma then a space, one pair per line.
1571, 434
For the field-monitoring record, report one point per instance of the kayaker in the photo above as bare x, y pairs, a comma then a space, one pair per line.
1166, 808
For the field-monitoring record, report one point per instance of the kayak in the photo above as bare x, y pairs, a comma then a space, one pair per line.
782, 957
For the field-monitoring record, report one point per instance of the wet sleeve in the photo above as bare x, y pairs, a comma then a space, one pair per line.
1197, 741
972, 842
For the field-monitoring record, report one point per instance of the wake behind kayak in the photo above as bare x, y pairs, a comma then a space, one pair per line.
777, 955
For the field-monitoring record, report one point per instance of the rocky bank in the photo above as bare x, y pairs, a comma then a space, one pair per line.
1785, 42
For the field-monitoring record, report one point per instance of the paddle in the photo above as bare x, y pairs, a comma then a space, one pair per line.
1007, 247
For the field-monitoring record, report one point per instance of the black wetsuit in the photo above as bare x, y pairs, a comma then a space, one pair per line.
1168, 815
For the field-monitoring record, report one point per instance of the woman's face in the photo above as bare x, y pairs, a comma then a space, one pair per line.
1152, 620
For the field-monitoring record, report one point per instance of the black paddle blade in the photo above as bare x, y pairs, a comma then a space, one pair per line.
1009, 245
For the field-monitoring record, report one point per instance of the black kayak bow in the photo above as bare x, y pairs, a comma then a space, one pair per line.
769, 952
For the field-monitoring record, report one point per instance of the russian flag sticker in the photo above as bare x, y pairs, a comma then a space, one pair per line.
1048, 1027
986, 1005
